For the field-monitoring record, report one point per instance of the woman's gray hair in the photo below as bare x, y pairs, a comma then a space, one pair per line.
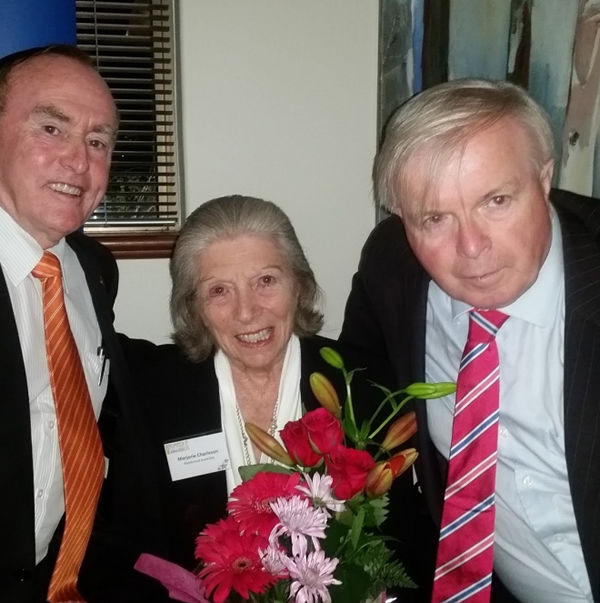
442, 119
227, 217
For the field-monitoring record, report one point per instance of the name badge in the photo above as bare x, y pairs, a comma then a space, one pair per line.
196, 456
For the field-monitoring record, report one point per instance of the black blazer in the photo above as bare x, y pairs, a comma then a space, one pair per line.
185, 402
104, 575
386, 312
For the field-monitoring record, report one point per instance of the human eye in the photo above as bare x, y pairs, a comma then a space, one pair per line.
497, 205
216, 292
50, 129
498, 200
433, 221
99, 143
267, 280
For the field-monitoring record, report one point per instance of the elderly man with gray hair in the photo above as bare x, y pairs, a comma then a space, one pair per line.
485, 275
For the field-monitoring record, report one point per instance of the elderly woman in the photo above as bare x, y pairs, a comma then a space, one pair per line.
244, 309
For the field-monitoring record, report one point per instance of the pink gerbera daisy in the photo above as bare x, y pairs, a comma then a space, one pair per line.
231, 561
250, 502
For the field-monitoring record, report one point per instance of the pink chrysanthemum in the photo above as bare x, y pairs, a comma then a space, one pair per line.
250, 502
299, 520
318, 488
272, 557
231, 561
311, 575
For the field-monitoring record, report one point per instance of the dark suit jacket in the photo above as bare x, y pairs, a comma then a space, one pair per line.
104, 575
386, 312
185, 402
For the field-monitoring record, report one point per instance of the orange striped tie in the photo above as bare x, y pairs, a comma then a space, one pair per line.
80, 446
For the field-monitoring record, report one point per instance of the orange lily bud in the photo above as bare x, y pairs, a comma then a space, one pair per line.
379, 479
266, 443
401, 461
400, 430
325, 393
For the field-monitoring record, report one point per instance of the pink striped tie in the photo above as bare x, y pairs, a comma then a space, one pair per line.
80, 445
465, 552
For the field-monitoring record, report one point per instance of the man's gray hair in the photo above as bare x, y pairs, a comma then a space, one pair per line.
228, 217
441, 119
9, 63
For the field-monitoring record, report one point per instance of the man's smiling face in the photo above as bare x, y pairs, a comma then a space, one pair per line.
57, 132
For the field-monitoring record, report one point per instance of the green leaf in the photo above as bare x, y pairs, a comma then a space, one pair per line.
357, 526
336, 537
376, 559
350, 428
354, 587
249, 471
365, 426
386, 390
350, 374
377, 510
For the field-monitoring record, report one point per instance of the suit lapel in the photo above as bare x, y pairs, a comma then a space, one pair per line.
582, 384
16, 470
431, 467
406, 300
122, 424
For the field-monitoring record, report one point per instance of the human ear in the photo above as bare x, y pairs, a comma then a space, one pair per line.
546, 177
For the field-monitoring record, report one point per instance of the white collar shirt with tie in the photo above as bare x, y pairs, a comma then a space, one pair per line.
537, 551
19, 253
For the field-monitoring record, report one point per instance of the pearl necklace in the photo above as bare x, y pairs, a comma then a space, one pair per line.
245, 443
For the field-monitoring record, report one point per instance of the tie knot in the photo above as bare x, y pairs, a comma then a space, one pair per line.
47, 267
484, 324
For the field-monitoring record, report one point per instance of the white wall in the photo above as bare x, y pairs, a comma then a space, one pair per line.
278, 101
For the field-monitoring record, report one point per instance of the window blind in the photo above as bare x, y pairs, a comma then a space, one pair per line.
131, 43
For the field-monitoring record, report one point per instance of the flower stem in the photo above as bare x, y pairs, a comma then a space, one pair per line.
392, 414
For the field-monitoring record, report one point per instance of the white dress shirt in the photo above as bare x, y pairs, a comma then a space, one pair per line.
537, 551
287, 408
19, 253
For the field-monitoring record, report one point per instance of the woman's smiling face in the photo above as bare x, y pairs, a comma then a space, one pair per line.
248, 299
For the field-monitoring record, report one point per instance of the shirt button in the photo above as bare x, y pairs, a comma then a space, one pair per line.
503, 432
527, 481
40, 493
51, 424
559, 537
22, 575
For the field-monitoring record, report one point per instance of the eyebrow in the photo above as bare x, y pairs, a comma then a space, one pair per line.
278, 267
50, 111
55, 113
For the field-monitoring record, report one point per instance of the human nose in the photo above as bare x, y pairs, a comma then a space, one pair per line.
246, 305
472, 239
75, 157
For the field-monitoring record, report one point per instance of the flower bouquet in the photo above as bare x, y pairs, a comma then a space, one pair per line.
308, 528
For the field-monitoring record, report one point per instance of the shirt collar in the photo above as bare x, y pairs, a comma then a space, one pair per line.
20, 252
538, 304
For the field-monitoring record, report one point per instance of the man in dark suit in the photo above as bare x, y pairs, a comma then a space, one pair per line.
58, 124
466, 168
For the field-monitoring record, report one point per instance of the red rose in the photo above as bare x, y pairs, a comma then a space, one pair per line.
349, 469
324, 430
295, 438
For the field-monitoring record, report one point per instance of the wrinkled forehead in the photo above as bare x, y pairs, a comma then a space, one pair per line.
47, 75
418, 177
